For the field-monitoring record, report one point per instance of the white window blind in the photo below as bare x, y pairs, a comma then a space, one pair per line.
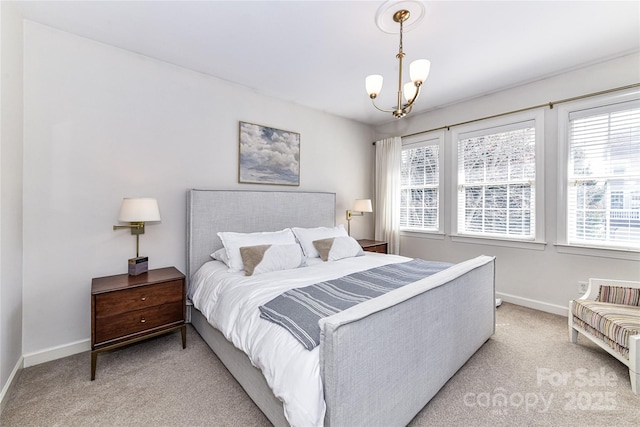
420, 187
603, 188
496, 181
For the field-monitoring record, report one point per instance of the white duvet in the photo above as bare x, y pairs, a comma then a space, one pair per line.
230, 303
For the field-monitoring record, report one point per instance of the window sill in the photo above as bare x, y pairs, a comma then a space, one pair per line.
598, 252
422, 234
479, 240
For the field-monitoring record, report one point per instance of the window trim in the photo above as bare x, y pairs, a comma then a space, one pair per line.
598, 251
420, 140
476, 128
562, 238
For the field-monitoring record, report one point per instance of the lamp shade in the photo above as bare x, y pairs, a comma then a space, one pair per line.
373, 83
139, 210
419, 70
409, 91
362, 205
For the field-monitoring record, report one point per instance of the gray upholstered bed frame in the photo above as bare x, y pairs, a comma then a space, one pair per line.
380, 361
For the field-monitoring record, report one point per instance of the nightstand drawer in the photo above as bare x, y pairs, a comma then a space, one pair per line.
117, 302
124, 324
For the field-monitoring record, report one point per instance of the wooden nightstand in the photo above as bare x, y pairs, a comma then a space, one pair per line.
126, 309
373, 246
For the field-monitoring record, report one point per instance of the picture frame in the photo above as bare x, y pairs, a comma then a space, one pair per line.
268, 155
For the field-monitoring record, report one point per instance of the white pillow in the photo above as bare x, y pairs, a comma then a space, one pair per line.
306, 236
335, 248
265, 258
234, 241
221, 255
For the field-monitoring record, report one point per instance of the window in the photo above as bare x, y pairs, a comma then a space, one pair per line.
420, 183
602, 172
496, 164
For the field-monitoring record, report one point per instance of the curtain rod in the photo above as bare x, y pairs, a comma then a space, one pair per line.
550, 105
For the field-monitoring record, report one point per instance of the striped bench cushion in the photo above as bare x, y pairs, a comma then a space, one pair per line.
613, 323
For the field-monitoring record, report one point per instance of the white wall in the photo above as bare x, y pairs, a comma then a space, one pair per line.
543, 279
102, 123
11, 196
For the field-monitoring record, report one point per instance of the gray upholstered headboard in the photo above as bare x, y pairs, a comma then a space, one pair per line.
211, 211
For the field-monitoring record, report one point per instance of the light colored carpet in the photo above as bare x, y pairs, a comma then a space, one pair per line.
545, 380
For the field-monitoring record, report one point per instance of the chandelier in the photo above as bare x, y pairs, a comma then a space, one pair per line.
418, 71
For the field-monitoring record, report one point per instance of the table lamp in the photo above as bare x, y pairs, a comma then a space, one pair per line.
137, 211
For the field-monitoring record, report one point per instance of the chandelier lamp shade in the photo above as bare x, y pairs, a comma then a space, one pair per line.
418, 72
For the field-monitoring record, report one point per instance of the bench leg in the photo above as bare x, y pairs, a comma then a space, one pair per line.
634, 363
573, 334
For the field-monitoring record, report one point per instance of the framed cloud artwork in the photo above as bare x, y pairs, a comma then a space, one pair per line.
268, 155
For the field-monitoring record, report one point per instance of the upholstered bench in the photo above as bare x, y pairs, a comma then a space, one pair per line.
609, 315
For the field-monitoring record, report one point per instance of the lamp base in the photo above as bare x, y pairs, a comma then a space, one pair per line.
138, 265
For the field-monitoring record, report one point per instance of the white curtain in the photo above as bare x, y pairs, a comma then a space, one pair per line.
387, 192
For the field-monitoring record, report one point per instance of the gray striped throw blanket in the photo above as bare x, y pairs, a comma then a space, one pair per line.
299, 310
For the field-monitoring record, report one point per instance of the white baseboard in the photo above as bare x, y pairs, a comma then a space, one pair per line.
535, 304
6, 390
58, 352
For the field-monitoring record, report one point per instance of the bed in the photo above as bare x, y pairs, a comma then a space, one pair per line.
379, 362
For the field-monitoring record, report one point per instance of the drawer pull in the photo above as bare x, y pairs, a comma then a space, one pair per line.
143, 320
143, 299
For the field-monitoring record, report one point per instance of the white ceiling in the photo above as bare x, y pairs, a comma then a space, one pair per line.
317, 53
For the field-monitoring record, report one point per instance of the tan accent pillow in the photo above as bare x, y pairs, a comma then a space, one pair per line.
252, 256
323, 246
233, 241
261, 259
335, 248
306, 237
